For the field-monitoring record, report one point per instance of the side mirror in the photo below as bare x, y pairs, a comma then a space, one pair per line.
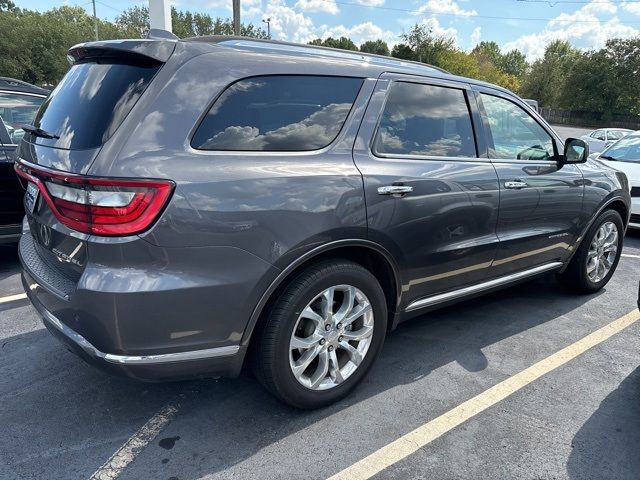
575, 151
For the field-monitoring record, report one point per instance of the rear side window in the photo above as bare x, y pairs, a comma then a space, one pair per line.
91, 102
425, 120
278, 113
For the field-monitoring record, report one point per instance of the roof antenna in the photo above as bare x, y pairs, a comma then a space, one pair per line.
159, 34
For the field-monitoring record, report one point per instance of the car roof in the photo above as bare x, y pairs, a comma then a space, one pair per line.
14, 85
321, 54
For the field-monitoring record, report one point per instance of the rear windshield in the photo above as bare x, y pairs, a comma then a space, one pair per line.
91, 102
278, 113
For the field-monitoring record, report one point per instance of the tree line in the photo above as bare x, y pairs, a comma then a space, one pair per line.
34, 45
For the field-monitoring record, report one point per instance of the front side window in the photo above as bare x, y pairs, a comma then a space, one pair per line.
514, 133
599, 135
17, 110
425, 120
278, 113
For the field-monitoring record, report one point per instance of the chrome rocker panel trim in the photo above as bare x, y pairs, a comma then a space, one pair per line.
138, 359
480, 287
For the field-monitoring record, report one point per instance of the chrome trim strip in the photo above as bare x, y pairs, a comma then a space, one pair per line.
137, 359
463, 292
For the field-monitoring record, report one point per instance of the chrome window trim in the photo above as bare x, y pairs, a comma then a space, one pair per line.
480, 287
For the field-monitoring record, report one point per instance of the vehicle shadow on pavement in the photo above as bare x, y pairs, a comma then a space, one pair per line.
607, 446
63, 418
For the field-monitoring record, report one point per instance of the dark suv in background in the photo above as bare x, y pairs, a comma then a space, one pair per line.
196, 205
19, 102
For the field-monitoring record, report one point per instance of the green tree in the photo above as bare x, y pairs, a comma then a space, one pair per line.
491, 50
547, 77
377, 47
403, 52
343, 43
428, 48
514, 62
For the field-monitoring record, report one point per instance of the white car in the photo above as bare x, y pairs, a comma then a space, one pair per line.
600, 139
624, 155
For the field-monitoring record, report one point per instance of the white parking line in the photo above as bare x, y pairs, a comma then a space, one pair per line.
404, 446
13, 298
128, 452
628, 255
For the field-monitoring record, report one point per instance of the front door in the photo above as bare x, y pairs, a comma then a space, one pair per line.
540, 198
431, 200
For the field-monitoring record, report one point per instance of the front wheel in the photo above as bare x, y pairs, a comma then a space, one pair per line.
322, 334
596, 260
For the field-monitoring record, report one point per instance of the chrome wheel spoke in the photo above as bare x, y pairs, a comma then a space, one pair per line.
354, 354
305, 343
356, 313
303, 362
313, 316
321, 372
334, 368
358, 335
347, 304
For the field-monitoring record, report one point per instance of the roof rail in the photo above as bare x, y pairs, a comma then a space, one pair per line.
353, 53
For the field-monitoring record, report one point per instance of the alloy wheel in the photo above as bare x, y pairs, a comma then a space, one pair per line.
602, 252
331, 337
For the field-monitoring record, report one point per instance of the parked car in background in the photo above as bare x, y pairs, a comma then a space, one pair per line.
600, 139
532, 103
290, 210
624, 155
19, 102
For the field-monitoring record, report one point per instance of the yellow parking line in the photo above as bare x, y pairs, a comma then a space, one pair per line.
427, 433
13, 298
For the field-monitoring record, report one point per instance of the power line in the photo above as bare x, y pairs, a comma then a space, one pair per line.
467, 15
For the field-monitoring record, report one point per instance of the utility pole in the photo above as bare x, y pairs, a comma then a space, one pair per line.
160, 15
95, 20
236, 17
268, 22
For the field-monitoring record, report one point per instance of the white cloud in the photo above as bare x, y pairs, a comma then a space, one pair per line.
360, 33
371, 3
631, 7
324, 6
475, 36
440, 7
289, 25
583, 29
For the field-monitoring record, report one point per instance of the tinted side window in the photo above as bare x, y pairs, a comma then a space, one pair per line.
425, 120
16, 110
278, 113
515, 133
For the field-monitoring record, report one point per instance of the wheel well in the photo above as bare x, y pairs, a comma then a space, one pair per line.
621, 208
367, 257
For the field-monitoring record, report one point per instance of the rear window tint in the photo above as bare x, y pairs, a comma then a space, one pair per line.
91, 102
278, 113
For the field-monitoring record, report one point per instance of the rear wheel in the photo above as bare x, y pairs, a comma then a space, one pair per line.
322, 334
596, 260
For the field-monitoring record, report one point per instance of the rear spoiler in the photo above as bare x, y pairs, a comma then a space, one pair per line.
150, 49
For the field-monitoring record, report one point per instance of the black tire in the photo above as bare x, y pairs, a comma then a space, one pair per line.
271, 359
575, 276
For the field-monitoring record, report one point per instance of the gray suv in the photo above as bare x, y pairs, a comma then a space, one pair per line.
195, 206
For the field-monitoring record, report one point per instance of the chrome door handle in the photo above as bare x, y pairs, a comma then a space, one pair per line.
394, 190
515, 184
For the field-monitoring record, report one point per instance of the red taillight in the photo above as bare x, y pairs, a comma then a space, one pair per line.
96, 205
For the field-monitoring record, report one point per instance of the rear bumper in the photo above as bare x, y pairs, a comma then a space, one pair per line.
180, 318
221, 361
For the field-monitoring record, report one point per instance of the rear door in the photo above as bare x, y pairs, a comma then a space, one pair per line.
540, 199
431, 200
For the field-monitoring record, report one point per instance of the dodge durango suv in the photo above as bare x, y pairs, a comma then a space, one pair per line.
194, 206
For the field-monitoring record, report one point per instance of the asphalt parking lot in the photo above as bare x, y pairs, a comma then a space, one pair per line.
63, 419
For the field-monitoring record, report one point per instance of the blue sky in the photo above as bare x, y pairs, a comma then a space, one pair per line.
525, 24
